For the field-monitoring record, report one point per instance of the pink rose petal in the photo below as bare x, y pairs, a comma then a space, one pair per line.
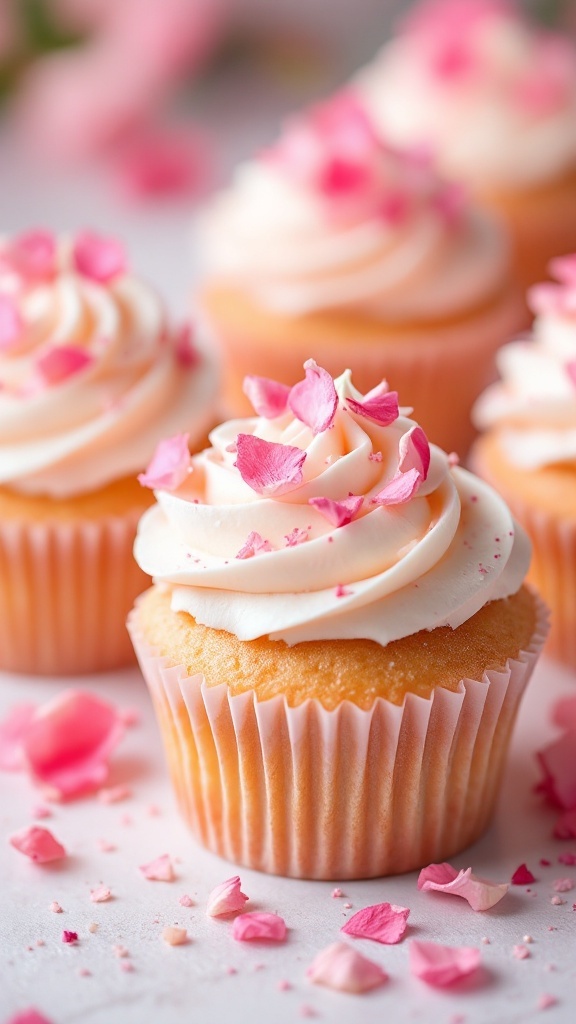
252, 545
442, 965
60, 363
226, 898
69, 741
314, 400
11, 325
400, 489
174, 936
342, 968
383, 922
296, 536
479, 892
170, 464
101, 894
158, 870
565, 827
382, 407
30, 1016
339, 513
268, 397
257, 927
522, 876
100, 259
38, 843
559, 765
268, 468
13, 728
31, 255
414, 452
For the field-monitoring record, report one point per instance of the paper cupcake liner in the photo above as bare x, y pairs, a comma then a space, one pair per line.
348, 793
65, 591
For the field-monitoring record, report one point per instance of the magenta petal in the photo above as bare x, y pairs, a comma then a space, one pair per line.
226, 898
32, 255
339, 513
268, 397
382, 408
478, 892
414, 452
38, 843
69, 741
342, 968
252, 545
268, 468
30, 1016
314, 400
401, 488
256, 927
13, 729
382, 922
558, 761
442, 965
522, 876
169, 466
61, 362
11, 325
100, 259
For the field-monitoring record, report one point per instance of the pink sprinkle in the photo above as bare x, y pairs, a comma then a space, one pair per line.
37, 843
522, 876
105, 846
336, 893
170, 464
342, 591
100, 259
14, 726
114, 794
521, 952
56, 908
479, 892
268, 468
347, 906
84, 972
60, 362
339, 513
258, 927
127, 966
375, 456
11, 325
557, 902
268, 397
379, 405
284, 985
485, 940
174, 936
185, 901
544, 863
69, 937
296, 536
101, 894
120, 951
382, 922
527, 938
153, 811
32, 255
231, 970
442, 965
158, 870
342, 968
545, 1001
253, 544
307, 1011
314, 400
161, 163
226, 898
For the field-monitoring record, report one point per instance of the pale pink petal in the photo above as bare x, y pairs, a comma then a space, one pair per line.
442, 965
11, 325
401, 488
226, 898
101, 259
414, 452
163, 163
559, 764
382, 408
101, 894
30, 1016
169, 466
31, 255
159, 870
478, 892
257, 927
339, 513
38, 843
174, 936
13, 729
61, 362
187, 355
522, 876
268, 397
342, 968
564, 710
565, 827
268, 468
252, 545
383, 922
314, 400
69, 741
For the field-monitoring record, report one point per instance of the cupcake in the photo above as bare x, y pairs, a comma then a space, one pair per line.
91, 378
338, 635
335, 243
493, 96
529, 449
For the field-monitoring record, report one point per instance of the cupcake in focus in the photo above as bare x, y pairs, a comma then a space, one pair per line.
529, 449
91, 378
338, 635
335, 243
493, 96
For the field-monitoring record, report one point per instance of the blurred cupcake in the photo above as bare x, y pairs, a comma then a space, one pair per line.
493, 96
529, 450
91, 377
338, 636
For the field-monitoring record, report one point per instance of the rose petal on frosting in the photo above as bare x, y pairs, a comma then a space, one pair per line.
442, 965
169, 466
522, 876
401, 488
339, 513
268, 397
382, 922
31, 255
314, 400
479, 892
31, 1016
382, 408
252, 545
257, 927
414, 452
11, 325
558, 762
38, 843
101, 259
342, 968
158, 870
61, 362
226, 898
68, 743
268, 468
13, 729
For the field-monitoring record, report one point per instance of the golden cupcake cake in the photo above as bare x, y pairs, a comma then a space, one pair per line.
528, 451
338, 635
92, 376
335, 243
493, 96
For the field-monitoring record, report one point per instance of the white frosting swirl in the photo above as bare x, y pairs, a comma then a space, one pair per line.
103, 422
390, 572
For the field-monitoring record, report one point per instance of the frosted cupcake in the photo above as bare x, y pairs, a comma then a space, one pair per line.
338, 636
335, 243
493, 96
91, 378
529, 450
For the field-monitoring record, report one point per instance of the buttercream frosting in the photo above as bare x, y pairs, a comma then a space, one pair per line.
92, 376
337, 523
492, 95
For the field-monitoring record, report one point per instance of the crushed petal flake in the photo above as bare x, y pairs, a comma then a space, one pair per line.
159, 870
226, 898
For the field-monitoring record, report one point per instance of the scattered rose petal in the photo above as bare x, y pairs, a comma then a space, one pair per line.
101, 259
522, 876
252, 545
61, 362
30, 1016
342, 968
400, 489
169, 466
314, 400
38, 843
269, 398
101, 894
56, 908
185, 901
11, 325
383, 922
339, 513
12, 731
382, 408
442, 965
158, 870
563, 885
479, 892
268, 468
256, 927
296, 536
559, 765
31, 255
174, 936
69, 937
520, 952
114, 794
226, 898
414, 452
545, 1001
